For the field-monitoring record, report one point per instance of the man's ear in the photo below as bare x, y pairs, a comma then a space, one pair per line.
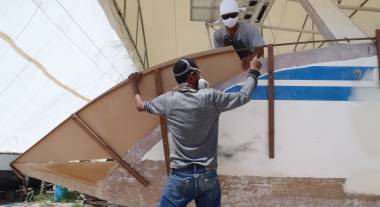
191, 78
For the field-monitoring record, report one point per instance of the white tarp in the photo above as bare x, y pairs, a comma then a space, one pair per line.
83, 56
65, 53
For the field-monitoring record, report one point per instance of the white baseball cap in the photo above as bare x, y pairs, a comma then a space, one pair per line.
228, 6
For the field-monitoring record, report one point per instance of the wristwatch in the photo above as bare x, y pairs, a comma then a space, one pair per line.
254, 73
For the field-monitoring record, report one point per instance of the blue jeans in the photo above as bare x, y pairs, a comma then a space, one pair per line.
194, 182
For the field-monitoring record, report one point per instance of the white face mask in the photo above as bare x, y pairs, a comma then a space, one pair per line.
202, 83
230, 22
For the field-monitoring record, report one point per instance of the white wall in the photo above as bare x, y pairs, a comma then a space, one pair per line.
5, 160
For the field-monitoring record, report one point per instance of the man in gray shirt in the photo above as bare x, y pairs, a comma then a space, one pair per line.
192, 114
239, 34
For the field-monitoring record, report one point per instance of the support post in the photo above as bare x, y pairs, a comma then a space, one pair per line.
271, 101
109, 150
43, 187
377, 42
163, 125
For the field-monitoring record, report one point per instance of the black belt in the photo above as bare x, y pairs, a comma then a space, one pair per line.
190, 168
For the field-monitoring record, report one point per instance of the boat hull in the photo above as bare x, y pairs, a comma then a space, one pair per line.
324, 136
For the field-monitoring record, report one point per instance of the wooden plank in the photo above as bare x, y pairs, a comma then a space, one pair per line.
109, 150
17, 172
163, 125
68, 137
271, 101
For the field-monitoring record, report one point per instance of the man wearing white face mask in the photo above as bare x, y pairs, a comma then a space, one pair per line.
192, 112
239, 34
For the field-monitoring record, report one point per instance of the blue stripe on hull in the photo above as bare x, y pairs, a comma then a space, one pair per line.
338, 73
317, 93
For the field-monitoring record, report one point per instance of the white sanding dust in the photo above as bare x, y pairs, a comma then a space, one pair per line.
366, 134
322, 139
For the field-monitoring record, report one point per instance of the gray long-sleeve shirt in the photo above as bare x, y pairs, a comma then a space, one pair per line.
192, 119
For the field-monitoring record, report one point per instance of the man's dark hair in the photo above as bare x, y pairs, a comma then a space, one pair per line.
181, 66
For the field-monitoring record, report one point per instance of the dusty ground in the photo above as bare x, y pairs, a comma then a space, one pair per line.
45, 204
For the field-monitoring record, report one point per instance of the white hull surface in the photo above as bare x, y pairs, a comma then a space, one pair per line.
324, 128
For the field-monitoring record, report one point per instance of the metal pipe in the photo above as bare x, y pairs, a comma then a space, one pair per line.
332, 40
129, 34
378, 50
361, 5
125, 10
358, 8
144, 38
316, 41
290, 29
300, 34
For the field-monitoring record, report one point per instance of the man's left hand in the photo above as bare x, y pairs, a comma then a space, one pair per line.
135, 77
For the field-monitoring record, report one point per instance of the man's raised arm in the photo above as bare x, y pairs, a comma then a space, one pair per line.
135, 78
230, 100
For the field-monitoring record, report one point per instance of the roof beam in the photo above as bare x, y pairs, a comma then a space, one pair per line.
331, 22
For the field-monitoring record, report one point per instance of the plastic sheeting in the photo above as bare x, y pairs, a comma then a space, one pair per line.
55, 56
